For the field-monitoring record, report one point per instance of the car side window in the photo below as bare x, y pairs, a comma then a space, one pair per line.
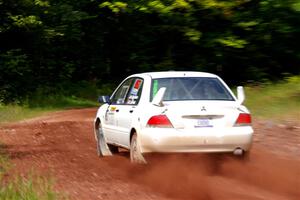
120, 95
135, 92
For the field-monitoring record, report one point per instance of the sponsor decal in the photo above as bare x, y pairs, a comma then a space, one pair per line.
113, 108
155, 87
136, 87
137, 84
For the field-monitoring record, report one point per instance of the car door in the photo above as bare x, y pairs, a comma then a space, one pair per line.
117, 100
126, 111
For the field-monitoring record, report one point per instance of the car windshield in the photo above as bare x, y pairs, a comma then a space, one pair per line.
191, 88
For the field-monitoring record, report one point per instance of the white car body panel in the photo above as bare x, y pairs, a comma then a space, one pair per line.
123, 123
220, 136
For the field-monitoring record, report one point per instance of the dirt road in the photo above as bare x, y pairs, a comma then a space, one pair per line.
61, 145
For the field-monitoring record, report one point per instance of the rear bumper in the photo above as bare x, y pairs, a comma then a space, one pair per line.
195, 140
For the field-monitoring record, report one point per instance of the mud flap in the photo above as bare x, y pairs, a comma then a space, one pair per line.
102, 147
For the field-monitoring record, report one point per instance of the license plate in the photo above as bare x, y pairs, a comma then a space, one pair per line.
203, 123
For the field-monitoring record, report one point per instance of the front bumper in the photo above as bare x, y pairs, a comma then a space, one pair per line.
195, 140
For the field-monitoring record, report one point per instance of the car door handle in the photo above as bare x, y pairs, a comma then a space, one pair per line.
117, 110
131, 111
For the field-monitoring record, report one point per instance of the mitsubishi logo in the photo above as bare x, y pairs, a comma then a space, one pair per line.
203, 108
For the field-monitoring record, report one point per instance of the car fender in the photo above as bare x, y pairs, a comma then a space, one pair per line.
140, 121
135, 125
100, 115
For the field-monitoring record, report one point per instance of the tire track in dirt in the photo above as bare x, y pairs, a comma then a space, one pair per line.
61, 145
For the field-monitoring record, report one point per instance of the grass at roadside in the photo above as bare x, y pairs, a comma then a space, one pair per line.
279, 101
11, 113
47, 99
31, 188
40, 106
28, 188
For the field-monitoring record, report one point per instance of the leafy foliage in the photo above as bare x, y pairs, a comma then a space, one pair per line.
48, 43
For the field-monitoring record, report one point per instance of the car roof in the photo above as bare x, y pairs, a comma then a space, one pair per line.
169, 74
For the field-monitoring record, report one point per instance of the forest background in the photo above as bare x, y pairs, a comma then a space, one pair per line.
85, 46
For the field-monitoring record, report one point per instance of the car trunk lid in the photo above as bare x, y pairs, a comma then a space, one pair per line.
202, 114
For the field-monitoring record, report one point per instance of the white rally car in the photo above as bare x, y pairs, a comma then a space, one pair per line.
184, 112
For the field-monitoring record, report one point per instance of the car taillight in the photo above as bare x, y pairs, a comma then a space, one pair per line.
161, 121
244, 119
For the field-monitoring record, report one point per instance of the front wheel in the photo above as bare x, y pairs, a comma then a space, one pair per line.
135, 151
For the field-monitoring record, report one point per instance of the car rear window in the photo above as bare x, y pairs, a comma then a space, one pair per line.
191, 88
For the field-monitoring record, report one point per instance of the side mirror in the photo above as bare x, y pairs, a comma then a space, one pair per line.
104, 99
240, 94
158, 98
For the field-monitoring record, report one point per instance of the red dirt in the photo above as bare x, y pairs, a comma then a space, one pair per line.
62, 145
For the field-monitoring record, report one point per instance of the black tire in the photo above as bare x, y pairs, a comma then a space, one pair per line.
102, 148
135, 151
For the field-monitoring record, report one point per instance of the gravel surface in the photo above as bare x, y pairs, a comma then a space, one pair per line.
61, 145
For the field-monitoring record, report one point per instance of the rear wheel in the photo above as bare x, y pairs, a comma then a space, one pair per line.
102, 148
135, 151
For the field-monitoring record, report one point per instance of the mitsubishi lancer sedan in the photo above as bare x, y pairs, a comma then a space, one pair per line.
173, 112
